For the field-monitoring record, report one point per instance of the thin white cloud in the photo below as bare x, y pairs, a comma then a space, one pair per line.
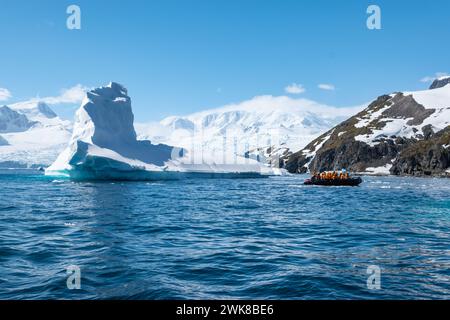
325, 86
70, 95
437, 75
5, 94
295, 88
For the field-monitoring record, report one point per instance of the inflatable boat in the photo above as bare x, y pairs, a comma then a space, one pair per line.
334, 182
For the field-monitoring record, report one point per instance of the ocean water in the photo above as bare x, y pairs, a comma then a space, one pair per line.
223, 239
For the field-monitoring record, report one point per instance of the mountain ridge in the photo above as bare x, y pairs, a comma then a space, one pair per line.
373, 141
258, 127
13, 121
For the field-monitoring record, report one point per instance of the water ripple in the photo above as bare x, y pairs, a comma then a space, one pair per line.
219, 239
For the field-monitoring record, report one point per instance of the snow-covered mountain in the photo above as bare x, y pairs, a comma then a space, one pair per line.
34, 134
400, 133
3, 141
35, 110
258, 128
13, 121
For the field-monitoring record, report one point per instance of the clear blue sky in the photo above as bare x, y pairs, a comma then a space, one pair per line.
177, 57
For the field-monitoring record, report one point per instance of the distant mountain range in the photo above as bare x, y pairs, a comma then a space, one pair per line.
32, 135
404, 133
104, 146
258, 128
13, 121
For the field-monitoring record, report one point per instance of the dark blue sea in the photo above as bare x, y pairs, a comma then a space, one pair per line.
223, 239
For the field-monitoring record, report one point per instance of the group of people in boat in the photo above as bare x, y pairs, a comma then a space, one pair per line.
331, 175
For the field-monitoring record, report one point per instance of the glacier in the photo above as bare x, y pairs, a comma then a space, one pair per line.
263, 128
104, 146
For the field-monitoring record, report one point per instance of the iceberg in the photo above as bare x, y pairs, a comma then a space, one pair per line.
35, 110
104, 146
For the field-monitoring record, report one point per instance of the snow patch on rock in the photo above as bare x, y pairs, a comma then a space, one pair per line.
382, 170
370, 116
436, 99
432, 99
393, 128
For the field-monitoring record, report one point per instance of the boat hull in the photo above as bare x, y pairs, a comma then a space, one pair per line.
352, 182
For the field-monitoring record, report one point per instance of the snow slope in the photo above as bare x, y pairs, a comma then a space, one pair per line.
35, 135
250, 127
104, 146
435, 101
13, 121
39, 146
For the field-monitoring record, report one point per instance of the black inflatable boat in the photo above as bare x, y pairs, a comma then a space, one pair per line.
353, 182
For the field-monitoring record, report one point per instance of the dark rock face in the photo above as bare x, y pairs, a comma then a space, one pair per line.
424, 153
427, 157
439, 83
362, 156
406, 107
